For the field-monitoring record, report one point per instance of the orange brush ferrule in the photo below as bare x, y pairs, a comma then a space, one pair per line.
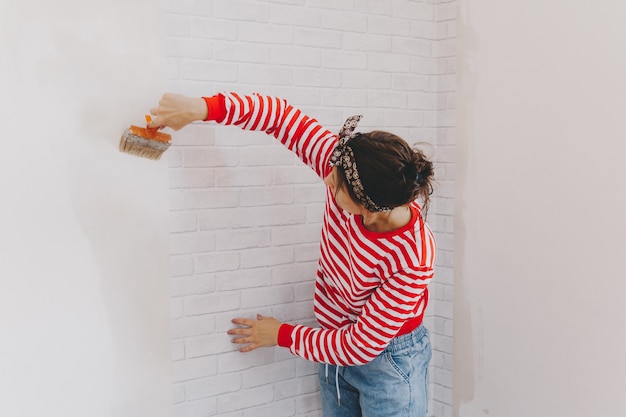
150, 132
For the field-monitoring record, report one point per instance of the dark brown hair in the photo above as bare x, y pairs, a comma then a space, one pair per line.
392, 173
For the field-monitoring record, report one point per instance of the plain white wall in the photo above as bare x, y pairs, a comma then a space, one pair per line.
84, 290
539, 278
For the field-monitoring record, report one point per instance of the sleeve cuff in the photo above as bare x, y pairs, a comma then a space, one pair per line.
284, 335
216, 106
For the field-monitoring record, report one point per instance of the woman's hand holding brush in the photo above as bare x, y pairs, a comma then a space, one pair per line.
177, 111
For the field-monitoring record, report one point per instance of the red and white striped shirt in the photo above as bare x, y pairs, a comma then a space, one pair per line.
370, 287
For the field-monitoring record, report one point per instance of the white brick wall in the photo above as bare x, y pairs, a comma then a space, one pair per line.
246, 215
440, 97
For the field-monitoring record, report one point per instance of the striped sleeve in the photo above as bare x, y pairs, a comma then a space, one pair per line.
300, 133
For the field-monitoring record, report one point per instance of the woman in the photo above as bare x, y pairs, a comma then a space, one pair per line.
377, 256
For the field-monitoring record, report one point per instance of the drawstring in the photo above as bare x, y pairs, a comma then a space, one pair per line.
336, 382
337, 385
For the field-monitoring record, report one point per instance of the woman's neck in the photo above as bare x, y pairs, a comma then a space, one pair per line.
386, 221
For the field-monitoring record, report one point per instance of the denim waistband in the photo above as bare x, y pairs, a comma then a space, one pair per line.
401, 342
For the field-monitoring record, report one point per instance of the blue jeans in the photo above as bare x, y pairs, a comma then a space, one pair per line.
394, 384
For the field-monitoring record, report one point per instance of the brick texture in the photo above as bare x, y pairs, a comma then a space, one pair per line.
246, 216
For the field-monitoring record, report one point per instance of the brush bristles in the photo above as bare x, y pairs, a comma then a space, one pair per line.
146, 148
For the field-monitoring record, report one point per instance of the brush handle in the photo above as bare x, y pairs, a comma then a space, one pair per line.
152, 131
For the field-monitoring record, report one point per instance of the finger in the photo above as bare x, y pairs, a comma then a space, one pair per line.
154, 111
243, 322
240, 331
249, 348
240, 340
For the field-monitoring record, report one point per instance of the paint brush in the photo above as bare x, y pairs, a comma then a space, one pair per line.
146, 142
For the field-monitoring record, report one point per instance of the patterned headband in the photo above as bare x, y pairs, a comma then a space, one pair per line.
344, 156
